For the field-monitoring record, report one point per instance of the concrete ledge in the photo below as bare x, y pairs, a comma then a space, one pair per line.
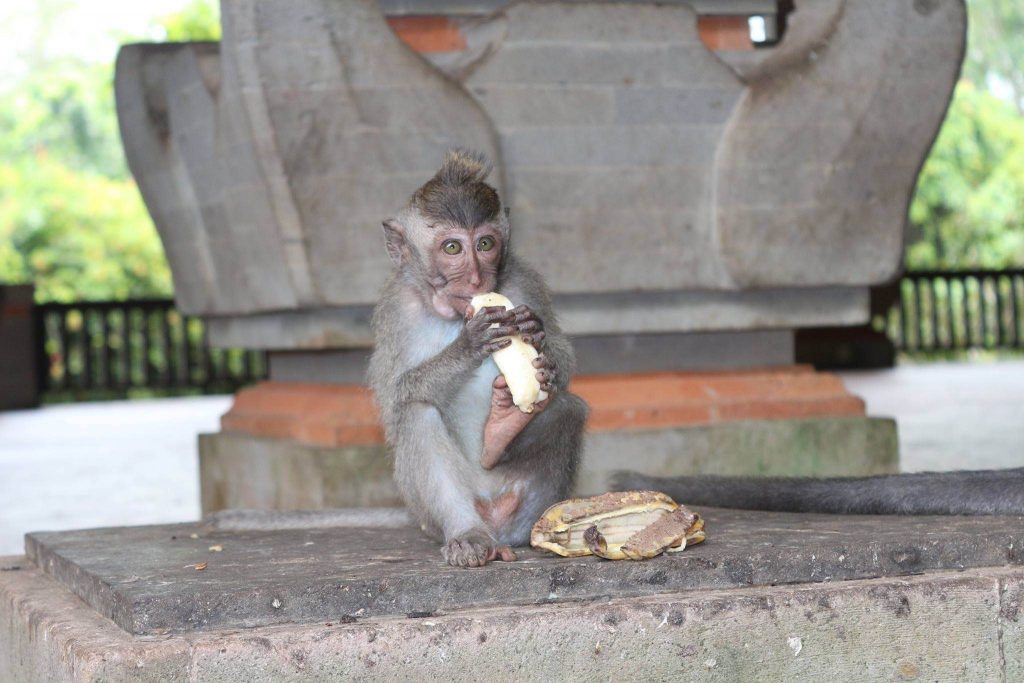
167, 578
964, 626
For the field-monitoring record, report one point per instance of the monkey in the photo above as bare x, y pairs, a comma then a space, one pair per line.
473, 469
978, 492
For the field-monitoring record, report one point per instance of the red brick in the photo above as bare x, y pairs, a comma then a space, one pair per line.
427, 33
725, 32
336, 415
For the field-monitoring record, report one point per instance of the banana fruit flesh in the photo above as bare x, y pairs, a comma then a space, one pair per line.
514, 361
633, 525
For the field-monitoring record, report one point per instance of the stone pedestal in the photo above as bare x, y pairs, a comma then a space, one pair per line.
769, 597
291, 446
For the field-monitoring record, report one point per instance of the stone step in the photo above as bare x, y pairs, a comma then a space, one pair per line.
148, 579
946, 626
344, 414
247, 471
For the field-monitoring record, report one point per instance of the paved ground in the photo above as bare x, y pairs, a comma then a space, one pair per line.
105, 464
101, 464
950, 415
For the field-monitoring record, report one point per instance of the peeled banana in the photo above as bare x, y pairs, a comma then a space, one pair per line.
514, 361
621, 525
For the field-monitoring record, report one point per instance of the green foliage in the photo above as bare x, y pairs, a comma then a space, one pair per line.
71, 218
77, 234
968, 211
199, 20
995, 46
969, 207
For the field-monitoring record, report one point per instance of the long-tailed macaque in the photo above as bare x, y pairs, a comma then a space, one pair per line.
473, 469
982, 492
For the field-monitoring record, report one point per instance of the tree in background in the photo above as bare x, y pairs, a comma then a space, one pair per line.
71, 218
968, 211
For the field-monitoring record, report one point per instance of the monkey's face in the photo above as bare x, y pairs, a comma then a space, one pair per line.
462, 264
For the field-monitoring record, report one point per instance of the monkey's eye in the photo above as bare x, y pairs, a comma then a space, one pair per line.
485, 244
452, 247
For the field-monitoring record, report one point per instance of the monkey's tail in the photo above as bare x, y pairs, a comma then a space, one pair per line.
981, 492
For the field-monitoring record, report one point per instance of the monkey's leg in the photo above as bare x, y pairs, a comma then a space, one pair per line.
430, 470
545, 455
506, 421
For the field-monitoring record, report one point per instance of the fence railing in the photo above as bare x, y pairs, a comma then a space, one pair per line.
116, 346
956, 310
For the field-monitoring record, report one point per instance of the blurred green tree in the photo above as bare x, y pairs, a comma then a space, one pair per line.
71, 218
968, 209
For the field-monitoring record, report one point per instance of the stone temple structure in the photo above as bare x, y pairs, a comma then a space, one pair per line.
692, 201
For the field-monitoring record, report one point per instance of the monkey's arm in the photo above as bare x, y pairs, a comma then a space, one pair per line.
438, 379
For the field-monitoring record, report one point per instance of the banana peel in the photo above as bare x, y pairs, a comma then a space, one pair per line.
633, 525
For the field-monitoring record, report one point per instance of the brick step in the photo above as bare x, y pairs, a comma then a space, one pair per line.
344, 415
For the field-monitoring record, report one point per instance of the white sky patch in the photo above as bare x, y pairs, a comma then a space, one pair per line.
90, 30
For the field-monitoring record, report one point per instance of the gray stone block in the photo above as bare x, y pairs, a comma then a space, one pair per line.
268, 167
630, 146
295, 576
595, 355
1011, 625
584, 314
244, 471
238, 471
698, 105
875, 629
818, 447
548, 105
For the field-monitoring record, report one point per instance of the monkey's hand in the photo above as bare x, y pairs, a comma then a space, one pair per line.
528, 325
546, 373
482, 339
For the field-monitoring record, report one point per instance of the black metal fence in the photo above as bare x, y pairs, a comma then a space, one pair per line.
956, 311
117, 346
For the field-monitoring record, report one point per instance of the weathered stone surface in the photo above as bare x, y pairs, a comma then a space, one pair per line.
145, 578
241, 156
1011, 626
708, 180
940, 626
242, 470
604, 354
818, 447
579, 315
477, 7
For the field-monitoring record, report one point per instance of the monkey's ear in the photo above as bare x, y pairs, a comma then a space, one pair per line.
394, 241
508, 211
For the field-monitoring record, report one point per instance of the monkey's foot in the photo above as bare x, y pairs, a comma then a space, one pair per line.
475, 549
504, 423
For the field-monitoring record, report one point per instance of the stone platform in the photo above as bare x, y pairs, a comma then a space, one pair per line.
769, 597
146, 579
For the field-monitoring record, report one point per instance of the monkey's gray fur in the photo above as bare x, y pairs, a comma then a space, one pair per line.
984, 492
434, 390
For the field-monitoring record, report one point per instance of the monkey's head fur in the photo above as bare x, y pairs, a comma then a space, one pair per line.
451, 240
